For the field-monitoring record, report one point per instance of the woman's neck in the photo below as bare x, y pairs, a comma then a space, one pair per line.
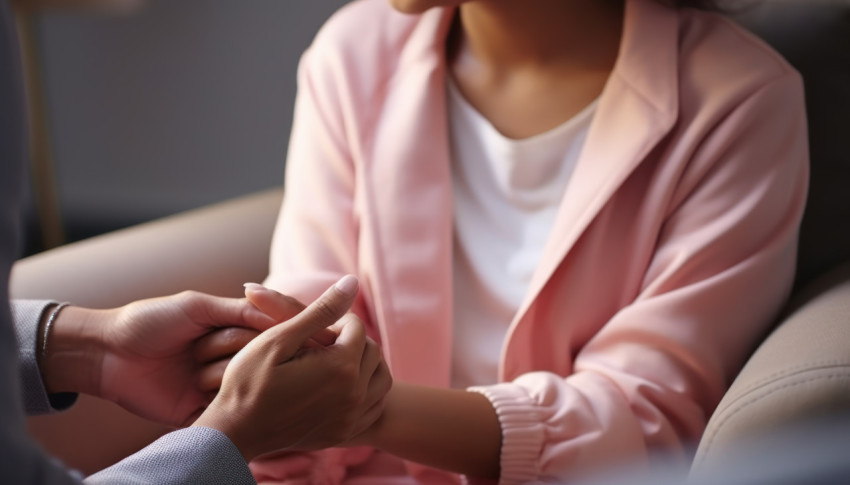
530, 65
503, 35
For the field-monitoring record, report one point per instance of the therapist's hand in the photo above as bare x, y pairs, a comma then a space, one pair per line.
214, 351
298, 387
141, 356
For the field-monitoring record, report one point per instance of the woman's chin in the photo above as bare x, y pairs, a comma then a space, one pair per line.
419, 6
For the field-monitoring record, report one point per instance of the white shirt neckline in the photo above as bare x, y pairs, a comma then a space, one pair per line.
507, 193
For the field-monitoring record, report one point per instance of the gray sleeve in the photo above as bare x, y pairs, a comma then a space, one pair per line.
191, 455
26, 315
188, 456
21, 460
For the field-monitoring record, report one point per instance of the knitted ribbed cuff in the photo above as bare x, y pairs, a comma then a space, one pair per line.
522, 432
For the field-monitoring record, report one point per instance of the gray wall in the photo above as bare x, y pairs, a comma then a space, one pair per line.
180, 104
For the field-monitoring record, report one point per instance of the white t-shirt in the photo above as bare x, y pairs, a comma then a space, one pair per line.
506, 196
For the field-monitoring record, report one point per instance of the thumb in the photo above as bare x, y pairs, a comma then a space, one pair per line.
325, 311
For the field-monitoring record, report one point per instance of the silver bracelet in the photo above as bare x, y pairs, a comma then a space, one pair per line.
49, 324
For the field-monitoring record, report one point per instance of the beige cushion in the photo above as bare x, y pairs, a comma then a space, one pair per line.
213, 249
801, 372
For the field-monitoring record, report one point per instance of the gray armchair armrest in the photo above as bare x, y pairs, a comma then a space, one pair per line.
213, 249
800, 373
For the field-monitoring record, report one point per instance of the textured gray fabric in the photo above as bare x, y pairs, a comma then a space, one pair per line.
27, 315
21, 461
190, 456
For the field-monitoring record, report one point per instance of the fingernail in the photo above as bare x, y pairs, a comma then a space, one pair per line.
254, 286
347, 285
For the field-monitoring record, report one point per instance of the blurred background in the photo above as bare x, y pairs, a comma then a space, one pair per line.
144, 108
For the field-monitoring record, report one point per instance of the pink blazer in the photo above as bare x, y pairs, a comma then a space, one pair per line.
673, 250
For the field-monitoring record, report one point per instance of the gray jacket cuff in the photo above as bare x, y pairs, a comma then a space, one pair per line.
27, 315
191, 455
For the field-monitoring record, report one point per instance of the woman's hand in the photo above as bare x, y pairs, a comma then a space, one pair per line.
214, 351
280, 393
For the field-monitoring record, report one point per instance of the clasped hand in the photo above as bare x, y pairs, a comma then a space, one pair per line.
310, 382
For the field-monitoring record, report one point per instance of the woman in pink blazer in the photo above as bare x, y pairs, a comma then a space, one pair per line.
672, 249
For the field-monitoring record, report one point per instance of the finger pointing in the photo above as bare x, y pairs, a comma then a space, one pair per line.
326, 310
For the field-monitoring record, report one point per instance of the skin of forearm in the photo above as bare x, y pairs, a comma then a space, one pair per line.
450, 429
74, 351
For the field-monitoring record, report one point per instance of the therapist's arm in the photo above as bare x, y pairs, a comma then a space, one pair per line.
273, 385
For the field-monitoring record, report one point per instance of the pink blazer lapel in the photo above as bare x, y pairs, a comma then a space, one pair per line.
637, 108
411, 196
409, 177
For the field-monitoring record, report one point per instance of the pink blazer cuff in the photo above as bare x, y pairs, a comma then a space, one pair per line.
522, 432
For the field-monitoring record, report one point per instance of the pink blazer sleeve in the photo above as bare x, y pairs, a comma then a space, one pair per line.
315, 240
315, 244
723, 266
